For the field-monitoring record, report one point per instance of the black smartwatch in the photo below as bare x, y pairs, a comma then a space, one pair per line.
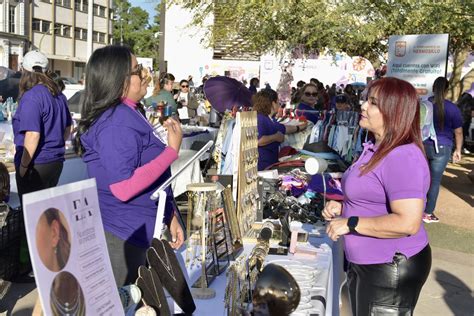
352, 223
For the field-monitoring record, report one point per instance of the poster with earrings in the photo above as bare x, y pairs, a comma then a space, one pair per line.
68, 251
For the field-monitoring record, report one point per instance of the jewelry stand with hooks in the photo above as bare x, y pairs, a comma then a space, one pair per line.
206, 236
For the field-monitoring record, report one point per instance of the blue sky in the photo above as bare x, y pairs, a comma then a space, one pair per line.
147, 5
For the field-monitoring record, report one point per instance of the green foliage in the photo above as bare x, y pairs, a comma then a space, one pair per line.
356, 27
132, 27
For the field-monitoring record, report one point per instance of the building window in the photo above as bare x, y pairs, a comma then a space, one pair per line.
11, 25
64, 3
99, 10
62, 30
80, 34
45, 26
80, 5
46, 1
36, 25
101, 38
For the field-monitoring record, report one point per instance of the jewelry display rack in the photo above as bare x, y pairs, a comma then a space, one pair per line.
206, 245
247, 193
232, 222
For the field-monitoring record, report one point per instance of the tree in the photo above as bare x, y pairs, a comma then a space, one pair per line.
355, 27
132, 28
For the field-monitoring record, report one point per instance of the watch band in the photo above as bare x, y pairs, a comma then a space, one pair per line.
352, 223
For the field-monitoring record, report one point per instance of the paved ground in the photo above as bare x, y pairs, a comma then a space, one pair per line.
449, 288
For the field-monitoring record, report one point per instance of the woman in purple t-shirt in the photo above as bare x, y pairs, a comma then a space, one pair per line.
447, 121
384, 196
41, 125
128, 159
270, 132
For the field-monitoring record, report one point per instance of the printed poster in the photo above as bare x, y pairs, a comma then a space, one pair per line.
69, 252
418, 59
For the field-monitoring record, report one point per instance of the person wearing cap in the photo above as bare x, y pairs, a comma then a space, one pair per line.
41, 125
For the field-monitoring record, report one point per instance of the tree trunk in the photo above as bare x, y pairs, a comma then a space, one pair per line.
467, 81
459, 58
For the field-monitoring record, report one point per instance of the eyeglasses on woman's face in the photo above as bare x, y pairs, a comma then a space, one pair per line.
311, 94
138, 72
185, 86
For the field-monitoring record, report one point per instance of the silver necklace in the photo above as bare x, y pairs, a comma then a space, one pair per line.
166, 265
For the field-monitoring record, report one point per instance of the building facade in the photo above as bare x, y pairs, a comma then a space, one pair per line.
13, 39
58, 28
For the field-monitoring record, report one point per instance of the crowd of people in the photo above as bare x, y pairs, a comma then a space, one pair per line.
389, 190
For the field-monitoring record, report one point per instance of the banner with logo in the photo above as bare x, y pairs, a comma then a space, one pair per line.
69, 252
418, 59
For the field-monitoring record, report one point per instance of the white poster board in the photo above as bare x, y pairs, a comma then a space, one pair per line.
68, 251
146, 62
418, 59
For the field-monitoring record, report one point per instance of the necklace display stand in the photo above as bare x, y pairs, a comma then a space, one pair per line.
206, 246
162, 259
152, 290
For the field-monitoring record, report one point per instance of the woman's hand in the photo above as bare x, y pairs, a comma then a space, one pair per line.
177, 234
279, 137
331, 210
456, 156
175, 133
303, 126
337, 228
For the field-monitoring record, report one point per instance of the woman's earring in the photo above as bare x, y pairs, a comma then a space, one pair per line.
55, 250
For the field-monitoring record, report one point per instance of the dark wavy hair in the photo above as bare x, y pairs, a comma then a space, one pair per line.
440, 87
29, 79
63, 248
398, 103
108, 74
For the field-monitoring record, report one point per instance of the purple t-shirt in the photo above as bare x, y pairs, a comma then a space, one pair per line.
452, 120
313, 117
402, 174
119, 142
39, 111
268, 154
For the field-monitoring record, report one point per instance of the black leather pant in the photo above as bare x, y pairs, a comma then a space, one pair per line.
389, 288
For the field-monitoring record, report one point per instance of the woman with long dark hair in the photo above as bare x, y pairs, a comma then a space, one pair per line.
384, 196
447, 120
41, 125
125, 156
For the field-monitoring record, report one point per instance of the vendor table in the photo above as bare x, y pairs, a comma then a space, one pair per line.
192, 134
329, 262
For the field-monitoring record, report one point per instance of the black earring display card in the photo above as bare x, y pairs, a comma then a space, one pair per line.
162, 259
152, 290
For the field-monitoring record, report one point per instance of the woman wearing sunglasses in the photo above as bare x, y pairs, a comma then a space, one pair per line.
128, 161
309, 98
185, 98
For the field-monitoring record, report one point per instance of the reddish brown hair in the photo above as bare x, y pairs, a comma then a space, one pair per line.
398, 103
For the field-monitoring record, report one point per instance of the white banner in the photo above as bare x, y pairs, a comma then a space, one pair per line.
418, 59
69, 252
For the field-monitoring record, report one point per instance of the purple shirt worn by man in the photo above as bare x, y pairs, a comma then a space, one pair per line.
402, 174
452, 120
118, 143
268, 154
40, 111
